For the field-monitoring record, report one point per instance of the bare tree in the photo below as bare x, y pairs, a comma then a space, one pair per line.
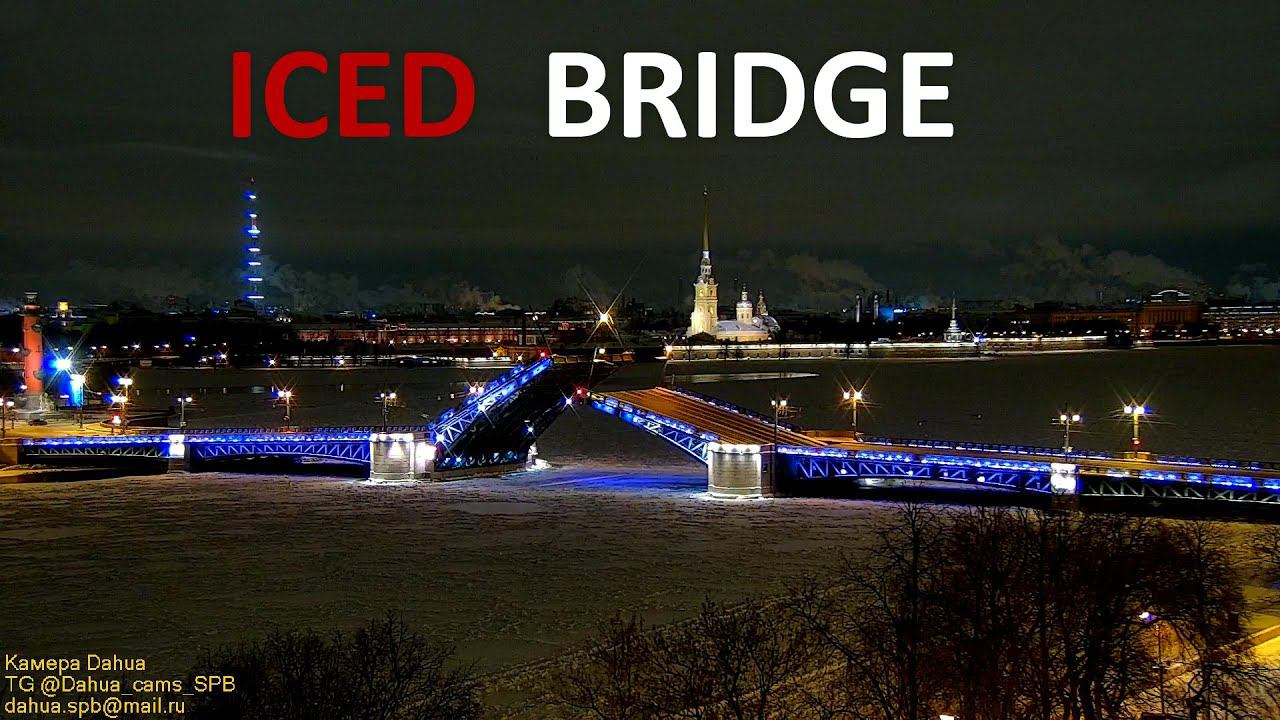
1202, 602
613, 680
755, 650
982, 615
382, 672
989, 614
728, 662
873, 622
1266, 542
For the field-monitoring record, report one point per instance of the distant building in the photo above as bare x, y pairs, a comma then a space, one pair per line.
489, 331
1168, 310
749, 324
1242, 318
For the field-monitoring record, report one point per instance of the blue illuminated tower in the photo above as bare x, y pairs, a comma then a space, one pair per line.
253, 249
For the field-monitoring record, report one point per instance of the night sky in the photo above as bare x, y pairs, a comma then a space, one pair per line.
1098, 151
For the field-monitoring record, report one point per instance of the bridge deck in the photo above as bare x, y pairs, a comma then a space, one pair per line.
690, 421
728, 426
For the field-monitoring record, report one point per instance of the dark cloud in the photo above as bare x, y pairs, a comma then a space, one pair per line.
1255, 281
1051, 269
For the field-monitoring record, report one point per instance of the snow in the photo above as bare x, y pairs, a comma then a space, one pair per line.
511, 570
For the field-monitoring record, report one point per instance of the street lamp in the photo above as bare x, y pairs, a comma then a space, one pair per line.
183, 401
117, 420
1150, 619
779, 406
1066, 419
287, 397
853, 397
388, 399
1137, 412
125, 383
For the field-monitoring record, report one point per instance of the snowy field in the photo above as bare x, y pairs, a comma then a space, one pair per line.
509, 569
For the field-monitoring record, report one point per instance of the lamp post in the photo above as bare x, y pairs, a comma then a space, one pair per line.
1151, 620
1137, 412
183, 401
5, 405
1066, 419
779, 406
287, 397
853, 397
125, 384
118, 421
388, 399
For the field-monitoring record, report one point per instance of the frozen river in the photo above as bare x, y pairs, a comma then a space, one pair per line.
510, 569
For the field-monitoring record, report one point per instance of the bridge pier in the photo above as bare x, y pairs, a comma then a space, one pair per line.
740, 471
1064, 482
178, 454
401, 456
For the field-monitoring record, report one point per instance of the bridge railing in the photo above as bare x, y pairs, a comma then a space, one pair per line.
1011, 449
312, 429
1216, 463
716, 402
1008, 449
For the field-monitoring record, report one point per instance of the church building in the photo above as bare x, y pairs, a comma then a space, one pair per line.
750, 324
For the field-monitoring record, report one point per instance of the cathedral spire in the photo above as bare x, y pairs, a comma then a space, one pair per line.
705, 300
706, 222
704, 270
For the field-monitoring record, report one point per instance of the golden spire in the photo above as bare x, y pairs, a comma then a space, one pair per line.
706, 220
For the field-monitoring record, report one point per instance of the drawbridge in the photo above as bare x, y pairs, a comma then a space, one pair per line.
749, 454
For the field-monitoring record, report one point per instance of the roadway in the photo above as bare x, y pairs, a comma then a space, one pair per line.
738, 428
730, 427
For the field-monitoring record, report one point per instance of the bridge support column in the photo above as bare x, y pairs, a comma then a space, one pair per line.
401, 456
739, 471
179, 454
1065, 484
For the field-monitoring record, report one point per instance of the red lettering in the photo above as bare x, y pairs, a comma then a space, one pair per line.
241, 95
351, 93
277, 113
464, 101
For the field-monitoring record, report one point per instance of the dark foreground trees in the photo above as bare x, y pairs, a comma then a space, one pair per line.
383, 671
987, 614
738, 662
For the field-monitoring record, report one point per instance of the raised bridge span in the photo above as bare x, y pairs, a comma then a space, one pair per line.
492, 430
748, 454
